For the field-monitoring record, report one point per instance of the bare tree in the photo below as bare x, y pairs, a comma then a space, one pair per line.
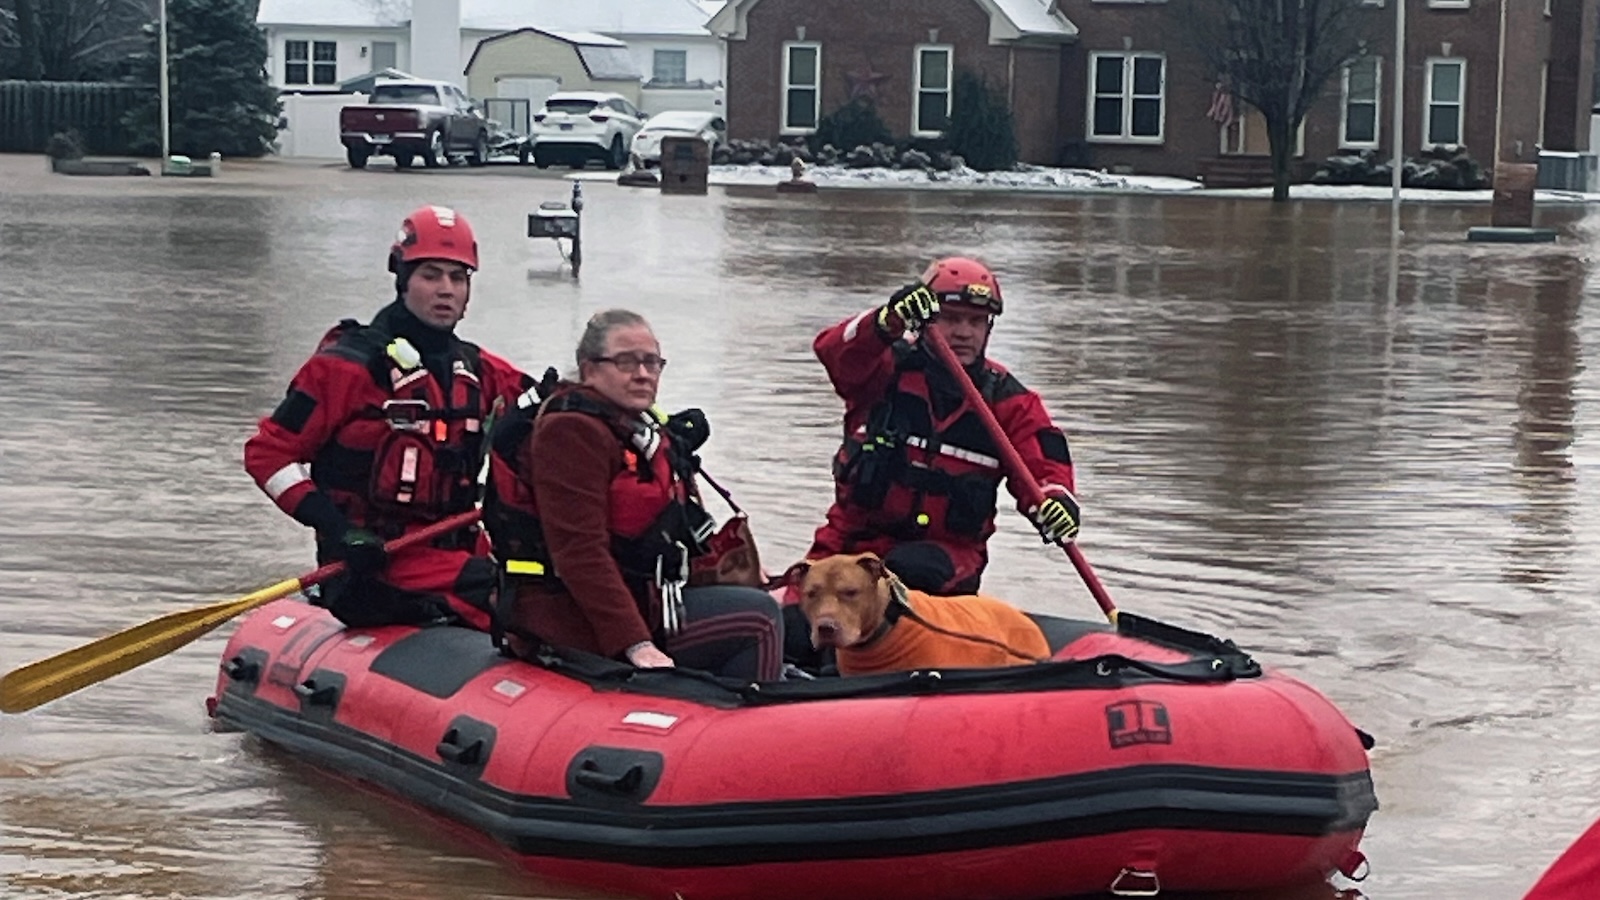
389, 12
70, 40
1277, 56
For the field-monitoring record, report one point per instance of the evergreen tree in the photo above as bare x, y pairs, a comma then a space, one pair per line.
980, 129
220, 99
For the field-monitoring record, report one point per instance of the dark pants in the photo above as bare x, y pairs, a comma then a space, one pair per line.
422, 586
925, 566
731, 631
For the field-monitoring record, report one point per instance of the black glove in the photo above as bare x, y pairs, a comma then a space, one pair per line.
910, 308
1056, 516
689, 429
362, 553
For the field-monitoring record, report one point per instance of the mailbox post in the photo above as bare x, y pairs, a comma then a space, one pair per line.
560, 221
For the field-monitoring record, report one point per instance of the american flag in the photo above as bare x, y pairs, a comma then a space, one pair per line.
1221, 110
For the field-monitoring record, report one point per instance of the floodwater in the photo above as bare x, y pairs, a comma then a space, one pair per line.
1375, 469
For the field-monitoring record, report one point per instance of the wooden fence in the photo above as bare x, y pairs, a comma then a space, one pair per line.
31, 111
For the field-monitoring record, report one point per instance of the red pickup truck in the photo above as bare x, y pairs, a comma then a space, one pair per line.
408, 119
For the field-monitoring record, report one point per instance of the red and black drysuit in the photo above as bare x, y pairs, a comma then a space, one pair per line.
621, 520
383, 429
917, 477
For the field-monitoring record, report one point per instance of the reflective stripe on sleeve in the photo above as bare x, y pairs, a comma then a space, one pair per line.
855, 325
286, 478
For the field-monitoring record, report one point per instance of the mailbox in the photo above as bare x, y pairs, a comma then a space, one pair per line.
553, 219
685, 165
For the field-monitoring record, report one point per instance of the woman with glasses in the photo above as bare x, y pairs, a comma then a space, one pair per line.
594, 516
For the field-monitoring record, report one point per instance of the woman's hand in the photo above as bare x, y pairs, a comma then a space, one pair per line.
646, 655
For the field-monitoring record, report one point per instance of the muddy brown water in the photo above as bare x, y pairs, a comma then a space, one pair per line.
1375, 469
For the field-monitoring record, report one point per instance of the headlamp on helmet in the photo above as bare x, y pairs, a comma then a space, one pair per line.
959, 280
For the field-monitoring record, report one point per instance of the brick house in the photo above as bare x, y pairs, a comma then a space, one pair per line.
1117, 84
792, 61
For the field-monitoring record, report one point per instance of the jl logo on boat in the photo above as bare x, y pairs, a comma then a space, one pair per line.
1133, 722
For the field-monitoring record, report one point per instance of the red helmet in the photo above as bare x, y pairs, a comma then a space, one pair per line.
434, 232
957, 279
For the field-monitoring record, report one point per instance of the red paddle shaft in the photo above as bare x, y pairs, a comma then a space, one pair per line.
1015, 469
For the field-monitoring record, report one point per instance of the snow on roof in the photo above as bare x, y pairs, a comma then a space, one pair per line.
1036, 17
343, 13
609, 63
1009, 20
665, 17
584, 38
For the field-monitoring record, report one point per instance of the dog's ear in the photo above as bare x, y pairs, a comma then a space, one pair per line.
796, 573
872, 564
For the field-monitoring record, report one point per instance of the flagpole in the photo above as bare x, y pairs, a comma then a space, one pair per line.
166, 101
1500, 85
1399, 124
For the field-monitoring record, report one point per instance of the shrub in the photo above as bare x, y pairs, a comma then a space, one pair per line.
852, 125
65, 145
981, 130
1443, 168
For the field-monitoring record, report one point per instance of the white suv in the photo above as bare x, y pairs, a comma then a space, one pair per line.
576, 126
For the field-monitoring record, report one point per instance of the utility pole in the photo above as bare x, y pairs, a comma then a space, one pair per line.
1500, 84
166, 100
1398, 126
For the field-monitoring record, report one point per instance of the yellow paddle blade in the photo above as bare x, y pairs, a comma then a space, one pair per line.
75, 669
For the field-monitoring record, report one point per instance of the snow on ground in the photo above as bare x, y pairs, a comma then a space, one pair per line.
1407, 195
1071, 181
1031, 178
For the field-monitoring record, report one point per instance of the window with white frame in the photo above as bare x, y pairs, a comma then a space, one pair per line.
670, 67
802, 87
1127, 97
1446, 86
1358, 127
324, 62
296, 62
935, 68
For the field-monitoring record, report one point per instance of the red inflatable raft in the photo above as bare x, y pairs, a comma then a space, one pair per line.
1144, 759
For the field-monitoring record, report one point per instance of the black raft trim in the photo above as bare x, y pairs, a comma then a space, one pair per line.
1212, 661
438, 661
1179, 797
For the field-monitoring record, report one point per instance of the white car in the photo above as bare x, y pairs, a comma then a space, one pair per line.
708, 127
574, 127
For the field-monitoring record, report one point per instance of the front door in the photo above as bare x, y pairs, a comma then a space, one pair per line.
1246, 135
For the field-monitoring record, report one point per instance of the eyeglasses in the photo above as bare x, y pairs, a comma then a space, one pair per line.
631, 362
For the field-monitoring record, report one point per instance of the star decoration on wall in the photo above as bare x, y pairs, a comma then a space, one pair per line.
864, 82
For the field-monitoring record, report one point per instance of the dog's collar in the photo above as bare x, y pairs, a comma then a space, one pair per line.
899, 605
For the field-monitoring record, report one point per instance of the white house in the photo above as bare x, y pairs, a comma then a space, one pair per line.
315, 44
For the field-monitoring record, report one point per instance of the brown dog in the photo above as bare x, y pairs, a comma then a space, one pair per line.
847, 600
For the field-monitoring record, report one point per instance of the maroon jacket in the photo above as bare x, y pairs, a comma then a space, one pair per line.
578, 468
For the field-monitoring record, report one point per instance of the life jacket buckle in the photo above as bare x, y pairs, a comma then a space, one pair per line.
407, 415
671, 585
